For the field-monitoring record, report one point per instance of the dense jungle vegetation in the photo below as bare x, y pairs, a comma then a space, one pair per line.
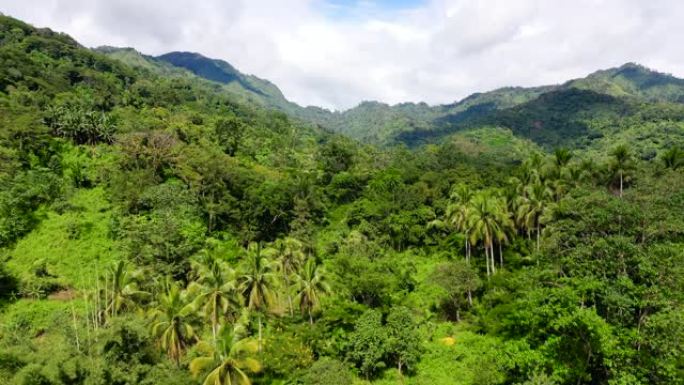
157, 229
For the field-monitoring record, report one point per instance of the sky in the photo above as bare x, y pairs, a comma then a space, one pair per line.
338, 53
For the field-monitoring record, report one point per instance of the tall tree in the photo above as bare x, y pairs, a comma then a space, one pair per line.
367, 347
229, 132
289, 254
216, 291
311, 285
459, 213
170, 322
490, 222
621, 164
403, 342
123, 292
531, 208
257, 282
458, 280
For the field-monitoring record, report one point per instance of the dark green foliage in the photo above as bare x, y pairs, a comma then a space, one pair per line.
20, 197
229, 133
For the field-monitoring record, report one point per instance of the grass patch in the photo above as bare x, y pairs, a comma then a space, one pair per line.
70, 246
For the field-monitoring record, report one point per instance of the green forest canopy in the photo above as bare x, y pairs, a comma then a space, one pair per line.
154, 229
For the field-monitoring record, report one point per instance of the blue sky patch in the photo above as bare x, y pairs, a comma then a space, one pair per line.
358, 9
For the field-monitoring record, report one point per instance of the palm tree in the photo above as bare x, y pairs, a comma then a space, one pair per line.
531, 168
257, 281
673, 158
289, 256
217, 292
622, 163
488, 224
229, 358
574, 175
561, 157
507, 206
124, 290
458, 213
170, 322
532, 208
311, 285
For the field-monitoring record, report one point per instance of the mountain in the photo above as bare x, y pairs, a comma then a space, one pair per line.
633, 80
222, 72
550, 115
248, 89
135, 59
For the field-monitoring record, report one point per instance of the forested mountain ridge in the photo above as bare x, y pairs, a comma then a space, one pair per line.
246, 88
159, 228
515, 108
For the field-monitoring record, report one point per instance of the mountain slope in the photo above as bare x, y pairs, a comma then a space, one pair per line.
224, 73
633, 80
571, 114
553, 115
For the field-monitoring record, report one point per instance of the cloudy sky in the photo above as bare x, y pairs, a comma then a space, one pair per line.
337, 53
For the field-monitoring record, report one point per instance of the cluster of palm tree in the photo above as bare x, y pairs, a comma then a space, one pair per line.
483, 219
80, 124
224, 298
492, 217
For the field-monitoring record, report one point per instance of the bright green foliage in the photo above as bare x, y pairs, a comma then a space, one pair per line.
216, 292
229, 361
328, 371
121, 290
171, 322
403, 341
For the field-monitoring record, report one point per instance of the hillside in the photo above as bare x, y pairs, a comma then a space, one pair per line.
157, 227
633, 80
551, 116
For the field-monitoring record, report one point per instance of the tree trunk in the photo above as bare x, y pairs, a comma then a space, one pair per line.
214, 325
500, 256
466, 248
310, 317
620, 184
401, 376
259, 333
491, 257
538, 233
289, 295
487, 259
73, 315
289, 300
470, 298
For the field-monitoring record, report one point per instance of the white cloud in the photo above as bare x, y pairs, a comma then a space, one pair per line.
335, 56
